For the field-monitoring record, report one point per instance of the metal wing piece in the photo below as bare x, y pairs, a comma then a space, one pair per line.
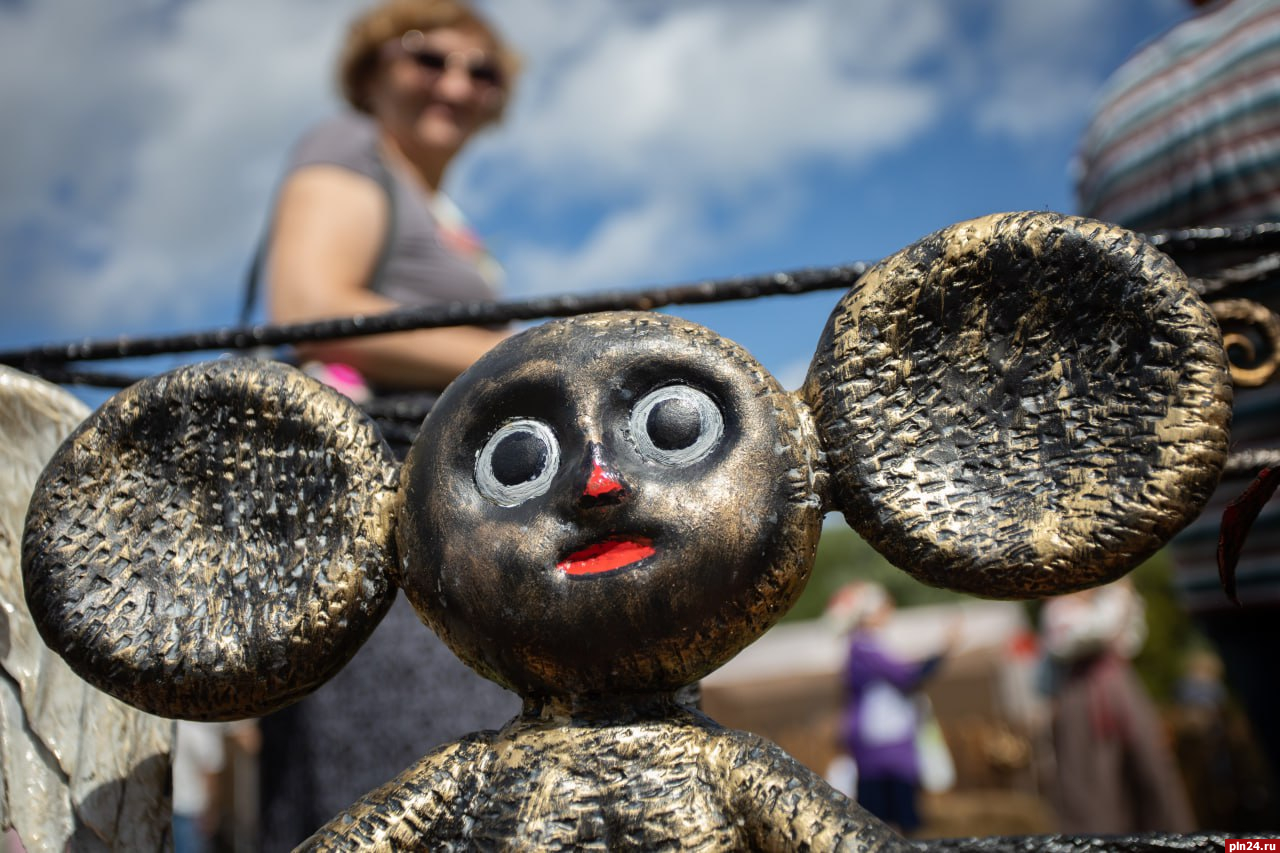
79, 770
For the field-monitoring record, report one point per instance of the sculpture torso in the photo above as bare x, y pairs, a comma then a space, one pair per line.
673, 781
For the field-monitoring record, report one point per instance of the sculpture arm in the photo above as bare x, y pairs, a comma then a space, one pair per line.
421, 803
786, 806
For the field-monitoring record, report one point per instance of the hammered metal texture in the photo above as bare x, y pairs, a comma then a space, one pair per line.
79, 770
214, 542
734, 533
1021, 405
671, 782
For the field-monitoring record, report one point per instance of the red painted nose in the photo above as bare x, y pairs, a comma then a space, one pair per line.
603, 485
601, 482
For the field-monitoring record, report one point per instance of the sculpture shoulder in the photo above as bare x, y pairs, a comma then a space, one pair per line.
787, 806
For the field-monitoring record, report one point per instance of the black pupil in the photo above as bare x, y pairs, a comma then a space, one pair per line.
674, 424
519, 458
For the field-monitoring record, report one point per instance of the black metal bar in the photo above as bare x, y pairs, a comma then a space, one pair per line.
453, 314
1245, 464
42, 360
60, 375
1260, 236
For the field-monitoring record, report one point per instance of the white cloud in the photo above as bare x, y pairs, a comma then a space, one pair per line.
1044, 63
714, 93
656, 239
1037, 78
143, 137
149, 137
706, 103
233, 100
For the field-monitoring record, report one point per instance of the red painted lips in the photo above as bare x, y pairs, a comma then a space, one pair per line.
606, 556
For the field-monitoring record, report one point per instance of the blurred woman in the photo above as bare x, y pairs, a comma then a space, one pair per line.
362, 226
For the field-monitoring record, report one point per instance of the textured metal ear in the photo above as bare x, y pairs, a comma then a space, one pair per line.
1021, 405
76, 765
215, 542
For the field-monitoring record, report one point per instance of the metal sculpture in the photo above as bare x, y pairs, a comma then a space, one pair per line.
606, 508
1236, 269
79, 770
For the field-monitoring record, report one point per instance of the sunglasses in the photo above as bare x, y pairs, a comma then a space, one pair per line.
484, 72
481, 71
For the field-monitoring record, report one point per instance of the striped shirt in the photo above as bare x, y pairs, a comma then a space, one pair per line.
1188, 130
1188, 133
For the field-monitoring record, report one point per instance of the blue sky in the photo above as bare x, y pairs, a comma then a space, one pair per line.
650, 142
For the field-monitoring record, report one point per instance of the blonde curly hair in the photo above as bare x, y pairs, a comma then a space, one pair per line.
359, 59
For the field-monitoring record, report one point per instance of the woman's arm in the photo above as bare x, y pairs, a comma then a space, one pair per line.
328, 231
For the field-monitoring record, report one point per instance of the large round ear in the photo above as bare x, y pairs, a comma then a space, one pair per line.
1021, 405
214, 542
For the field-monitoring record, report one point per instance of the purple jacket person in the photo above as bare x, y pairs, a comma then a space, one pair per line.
881, 718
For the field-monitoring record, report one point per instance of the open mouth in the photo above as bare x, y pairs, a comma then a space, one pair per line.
606, 556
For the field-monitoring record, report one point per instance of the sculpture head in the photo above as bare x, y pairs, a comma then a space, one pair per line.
642, 479
616, 504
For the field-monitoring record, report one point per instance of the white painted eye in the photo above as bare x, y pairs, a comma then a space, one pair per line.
676, 425
517, 462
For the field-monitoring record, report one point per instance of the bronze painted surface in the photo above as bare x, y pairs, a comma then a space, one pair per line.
725, 538
213, 543
1251, 335
606, 508
1019, 441
668, 779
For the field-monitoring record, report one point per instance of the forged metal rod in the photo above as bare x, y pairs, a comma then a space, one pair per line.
1260, 236
1246, 463
453, 314
49, 361
1232, 277
41, 360
60, 375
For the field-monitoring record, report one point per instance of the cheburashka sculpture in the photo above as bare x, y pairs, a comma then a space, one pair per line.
604, 509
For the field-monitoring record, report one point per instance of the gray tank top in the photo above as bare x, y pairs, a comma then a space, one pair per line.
420, 266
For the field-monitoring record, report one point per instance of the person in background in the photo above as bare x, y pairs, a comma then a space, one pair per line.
881, 720
1115, 771
1220, 764
1187, 133
197, 760
361, 226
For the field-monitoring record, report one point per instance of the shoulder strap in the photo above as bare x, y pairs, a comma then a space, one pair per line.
253, 278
